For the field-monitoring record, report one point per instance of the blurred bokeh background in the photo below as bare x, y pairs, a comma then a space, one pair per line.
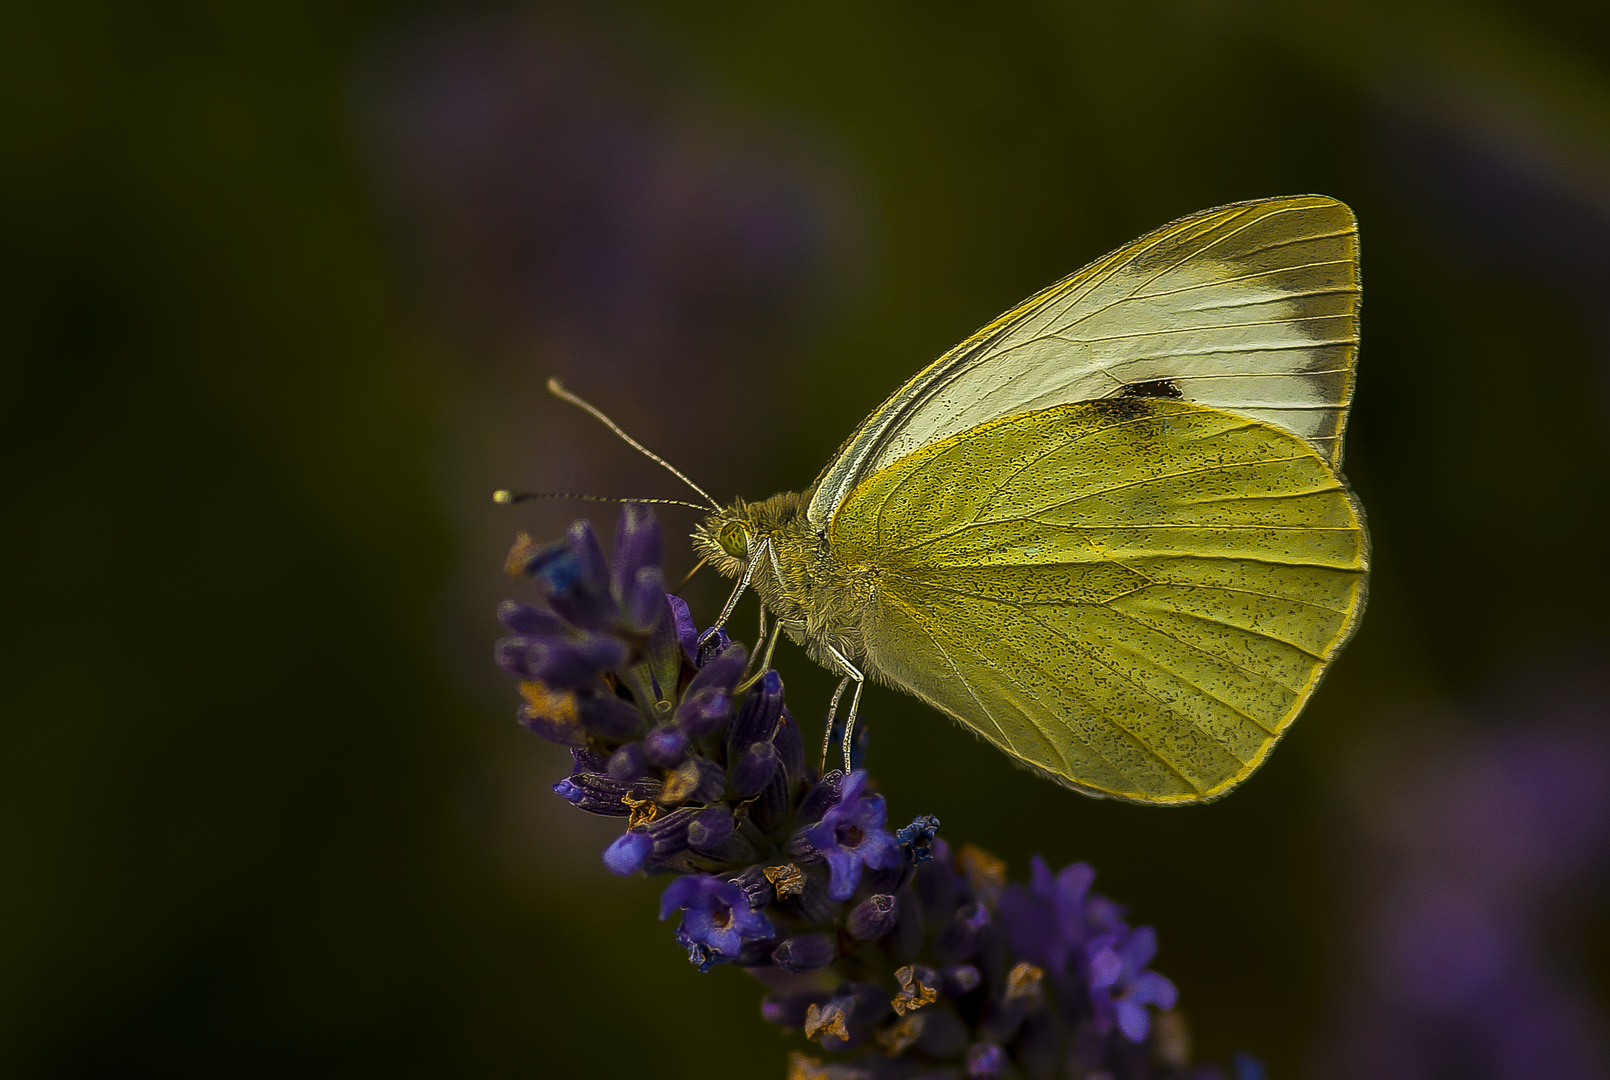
282, 282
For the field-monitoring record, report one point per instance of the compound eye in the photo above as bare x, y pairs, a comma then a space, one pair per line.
734, 539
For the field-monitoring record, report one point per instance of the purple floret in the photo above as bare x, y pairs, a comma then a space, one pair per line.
851, 835
716, 919
1120, 985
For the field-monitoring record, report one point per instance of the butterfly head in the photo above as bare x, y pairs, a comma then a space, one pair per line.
726, 539
729, 538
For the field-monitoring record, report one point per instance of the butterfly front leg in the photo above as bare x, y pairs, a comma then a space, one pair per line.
764, 648
851, 673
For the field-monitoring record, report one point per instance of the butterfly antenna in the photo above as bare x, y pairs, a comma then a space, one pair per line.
505, 497
557, 389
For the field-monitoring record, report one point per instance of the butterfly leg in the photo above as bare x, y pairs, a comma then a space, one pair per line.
827, 732
850, 672
771, 647
737, 594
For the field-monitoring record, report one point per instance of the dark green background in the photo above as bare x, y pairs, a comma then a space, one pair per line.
259, 816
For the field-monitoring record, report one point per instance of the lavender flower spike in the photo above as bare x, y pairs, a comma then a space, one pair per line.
915, 960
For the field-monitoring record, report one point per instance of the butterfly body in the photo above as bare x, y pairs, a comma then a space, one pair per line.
817, 599
1135, 591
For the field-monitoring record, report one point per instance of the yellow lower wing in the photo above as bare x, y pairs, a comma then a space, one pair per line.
1133, 595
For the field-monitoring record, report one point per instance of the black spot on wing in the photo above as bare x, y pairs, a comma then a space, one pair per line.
1163, 388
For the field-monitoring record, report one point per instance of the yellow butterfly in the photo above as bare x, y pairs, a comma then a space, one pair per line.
1108, 532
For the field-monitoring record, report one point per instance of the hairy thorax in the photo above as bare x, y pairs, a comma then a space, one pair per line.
819, 602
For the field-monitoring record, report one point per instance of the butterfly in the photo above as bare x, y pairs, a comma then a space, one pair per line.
1108, 533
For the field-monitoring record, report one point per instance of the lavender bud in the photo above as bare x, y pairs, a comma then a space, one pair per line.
820, 797
594, 794
754, 770
670, 832
570, 665
791, 748
757, 716
528, 560
710, 828
628, 763
873, 917
807, 952
509, 654
572, 792
863, 1005
637, 547
769, 810
576, 582
666, 745
756, 953
628, 853
687, 634
528, 621
643, 606
704, 712
585, 759
609, 717
710, 646
813, 904
722, 670
583, 544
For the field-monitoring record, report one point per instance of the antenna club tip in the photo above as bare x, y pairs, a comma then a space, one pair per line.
555, 386
503, 496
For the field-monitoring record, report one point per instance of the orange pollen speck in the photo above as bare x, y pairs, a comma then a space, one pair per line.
1023, 982
643, 810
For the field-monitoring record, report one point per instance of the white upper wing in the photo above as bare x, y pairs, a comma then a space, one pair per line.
1251, 308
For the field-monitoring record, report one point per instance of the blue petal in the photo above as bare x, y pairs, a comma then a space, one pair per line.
1150, 988
752, 925
850, 787
681, 893
1140, 949
1105, 969
1041, 883
628, 853
879, 850
845, 870
1133, 1020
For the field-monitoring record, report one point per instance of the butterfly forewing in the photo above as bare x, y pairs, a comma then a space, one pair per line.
1133, 595
1251, 308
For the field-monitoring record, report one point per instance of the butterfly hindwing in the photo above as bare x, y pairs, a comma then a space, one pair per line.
1133, 595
